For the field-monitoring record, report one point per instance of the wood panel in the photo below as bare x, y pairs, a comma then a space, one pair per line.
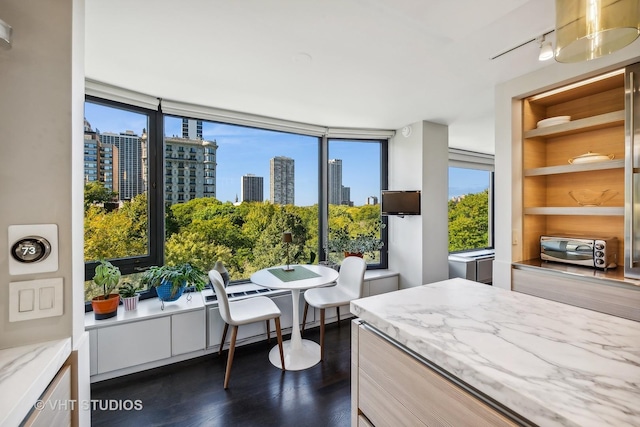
533, 227
590, 105
559, 186
396, 389
614, 300
579, 91
604, 141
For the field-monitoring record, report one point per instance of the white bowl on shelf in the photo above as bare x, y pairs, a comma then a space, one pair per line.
590, 157
551, 121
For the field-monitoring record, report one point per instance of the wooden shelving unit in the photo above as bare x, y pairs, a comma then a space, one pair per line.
597, 126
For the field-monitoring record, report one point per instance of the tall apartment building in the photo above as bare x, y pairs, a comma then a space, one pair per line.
346, 196
190, 169
130, 171
335, 181
282, 184
100, 160
372, 200
251, 188
191, 129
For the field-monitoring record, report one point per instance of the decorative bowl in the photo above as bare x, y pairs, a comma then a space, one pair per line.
586, 197
590, 157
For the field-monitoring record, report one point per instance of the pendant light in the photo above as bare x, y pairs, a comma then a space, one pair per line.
589, 29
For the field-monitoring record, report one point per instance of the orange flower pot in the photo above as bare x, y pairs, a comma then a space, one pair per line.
105, 308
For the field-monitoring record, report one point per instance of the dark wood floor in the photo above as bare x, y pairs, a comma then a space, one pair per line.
190, 393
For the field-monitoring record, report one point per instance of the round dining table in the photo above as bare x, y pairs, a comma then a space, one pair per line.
298, 353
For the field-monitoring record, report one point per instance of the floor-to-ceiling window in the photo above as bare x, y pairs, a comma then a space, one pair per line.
355, 178
117, 220
231, 191
163, 187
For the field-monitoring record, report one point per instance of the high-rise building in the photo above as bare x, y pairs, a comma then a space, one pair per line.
346, 196
372, 200
190, 169
282, 185
191, 129
251, 187
100, 160
130, 162
335, 181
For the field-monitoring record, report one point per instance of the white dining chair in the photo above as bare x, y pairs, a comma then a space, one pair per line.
349, 286
242, 312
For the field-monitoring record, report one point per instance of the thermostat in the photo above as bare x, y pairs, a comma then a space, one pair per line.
33, 248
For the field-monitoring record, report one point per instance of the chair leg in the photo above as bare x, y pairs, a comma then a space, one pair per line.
232, 348
224, 336
338, 312
304, 317
321, 334
268, 332
279, 333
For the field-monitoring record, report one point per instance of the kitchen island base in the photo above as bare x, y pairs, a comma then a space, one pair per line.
391, 387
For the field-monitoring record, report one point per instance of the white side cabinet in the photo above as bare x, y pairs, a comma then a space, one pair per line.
188, 332
133, 343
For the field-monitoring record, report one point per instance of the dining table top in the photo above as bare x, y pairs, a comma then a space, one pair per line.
300, 277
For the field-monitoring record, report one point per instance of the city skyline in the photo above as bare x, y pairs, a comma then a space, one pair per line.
244, 150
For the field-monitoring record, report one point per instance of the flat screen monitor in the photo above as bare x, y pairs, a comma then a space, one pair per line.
400, 202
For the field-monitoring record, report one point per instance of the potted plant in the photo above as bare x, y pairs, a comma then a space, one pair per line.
171, 280
129, 294
107, 277
342, 240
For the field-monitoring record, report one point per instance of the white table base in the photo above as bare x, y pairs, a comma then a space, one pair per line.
298, 353
296, 359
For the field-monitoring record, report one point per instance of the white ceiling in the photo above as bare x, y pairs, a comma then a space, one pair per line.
342, 63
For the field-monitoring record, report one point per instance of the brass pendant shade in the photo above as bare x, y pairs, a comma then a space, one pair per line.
589, 29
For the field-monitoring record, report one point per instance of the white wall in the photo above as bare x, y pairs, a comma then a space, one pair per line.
41, 166
508, 170
418, 245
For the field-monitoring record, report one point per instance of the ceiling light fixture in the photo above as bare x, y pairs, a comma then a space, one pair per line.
546, 50
5, 35
589, 29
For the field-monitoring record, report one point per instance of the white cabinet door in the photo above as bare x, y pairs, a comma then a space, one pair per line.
187, 332
381, 286
133, 344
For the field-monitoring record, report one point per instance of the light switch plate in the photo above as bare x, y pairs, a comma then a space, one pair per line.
47, 265
45, 299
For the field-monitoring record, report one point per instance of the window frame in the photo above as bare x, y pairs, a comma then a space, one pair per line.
155, 213
464, 159
156, 170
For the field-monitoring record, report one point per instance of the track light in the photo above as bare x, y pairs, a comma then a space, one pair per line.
546, 50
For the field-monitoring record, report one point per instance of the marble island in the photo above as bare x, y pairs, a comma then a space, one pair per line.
550, 363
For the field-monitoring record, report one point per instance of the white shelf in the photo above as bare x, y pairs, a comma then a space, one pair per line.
581, 125
584, 210
573, 168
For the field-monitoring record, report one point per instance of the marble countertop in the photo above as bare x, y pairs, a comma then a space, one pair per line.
25, 372
554, 364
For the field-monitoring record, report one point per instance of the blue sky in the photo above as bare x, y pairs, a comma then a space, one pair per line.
243, 150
